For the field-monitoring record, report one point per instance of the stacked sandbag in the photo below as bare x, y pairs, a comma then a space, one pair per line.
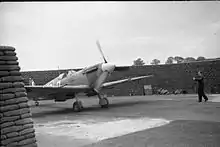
16, 124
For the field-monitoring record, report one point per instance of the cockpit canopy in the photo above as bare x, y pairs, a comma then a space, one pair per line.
71, 72
68, 73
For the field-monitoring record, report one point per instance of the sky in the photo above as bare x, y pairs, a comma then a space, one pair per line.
52, 35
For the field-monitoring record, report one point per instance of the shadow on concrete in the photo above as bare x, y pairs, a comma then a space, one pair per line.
93, 108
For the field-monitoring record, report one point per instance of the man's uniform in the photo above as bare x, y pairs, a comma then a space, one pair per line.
200, 91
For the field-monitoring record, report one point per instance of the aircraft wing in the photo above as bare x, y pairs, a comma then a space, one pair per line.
37, 91
113, 83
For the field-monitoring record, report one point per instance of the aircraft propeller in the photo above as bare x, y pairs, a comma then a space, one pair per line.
100, 49
116, 68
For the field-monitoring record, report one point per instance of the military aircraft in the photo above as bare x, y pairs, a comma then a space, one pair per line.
89, 80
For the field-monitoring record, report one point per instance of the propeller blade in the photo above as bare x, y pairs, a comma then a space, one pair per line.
100, 49
122, 68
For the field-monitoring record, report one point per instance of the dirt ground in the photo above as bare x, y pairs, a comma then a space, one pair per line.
137, 121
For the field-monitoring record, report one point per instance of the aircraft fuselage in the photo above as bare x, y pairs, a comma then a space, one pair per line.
93, 76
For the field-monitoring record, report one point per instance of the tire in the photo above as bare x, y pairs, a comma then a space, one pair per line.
106, 103
76, 107
36, 103
80, 104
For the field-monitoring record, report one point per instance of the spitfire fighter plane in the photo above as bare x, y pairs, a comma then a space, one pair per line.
89, 80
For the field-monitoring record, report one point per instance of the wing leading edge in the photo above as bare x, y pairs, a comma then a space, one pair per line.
113, 83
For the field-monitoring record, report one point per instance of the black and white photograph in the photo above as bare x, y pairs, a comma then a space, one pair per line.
110, 74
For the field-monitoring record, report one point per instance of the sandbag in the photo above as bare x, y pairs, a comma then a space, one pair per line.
9, 63
13, 139
29, 135
30, 145
6, 130
9, 108
23, 105
3, 137
24, 121
9, 67
6, 96
5, 85
21, 130
4, 73
2, 62
28, 115
7, 48
1, 53
8, 58
14, 73
26, 131
12, 134
9, 119
13, 144
1, 104
14, 101
12, 90
6, 124
9, 53
20, 94
12, 62
28, 126
18, 84
27, 141
12, 79
17, 112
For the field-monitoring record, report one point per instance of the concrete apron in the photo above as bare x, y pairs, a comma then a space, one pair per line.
91, 131
216, 99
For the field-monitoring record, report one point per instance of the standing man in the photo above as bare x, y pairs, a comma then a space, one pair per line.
200, 90
31, 82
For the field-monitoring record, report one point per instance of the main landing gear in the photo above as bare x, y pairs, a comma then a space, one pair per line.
37, 103
77, 106
103, 102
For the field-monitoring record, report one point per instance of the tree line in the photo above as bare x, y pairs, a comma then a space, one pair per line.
170, 60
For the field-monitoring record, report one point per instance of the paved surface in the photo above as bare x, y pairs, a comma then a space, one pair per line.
139, 121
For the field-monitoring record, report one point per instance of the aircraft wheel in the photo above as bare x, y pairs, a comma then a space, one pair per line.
104, 102
36, 103
77, 106
80, 104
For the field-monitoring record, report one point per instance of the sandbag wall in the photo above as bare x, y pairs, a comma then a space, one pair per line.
16, 124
